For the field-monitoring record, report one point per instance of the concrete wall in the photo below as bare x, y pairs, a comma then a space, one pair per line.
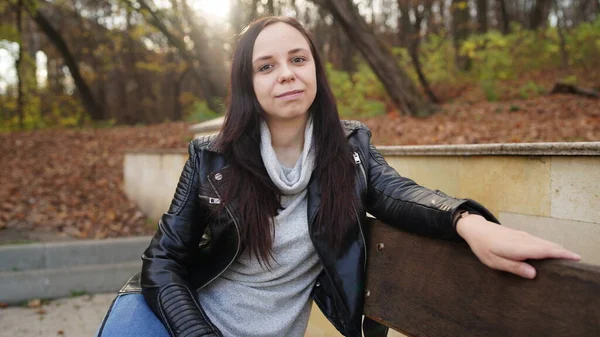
150, 178
556, 197
550, 190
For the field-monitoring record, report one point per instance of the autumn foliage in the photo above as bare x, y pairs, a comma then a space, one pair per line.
132, 75
70, 181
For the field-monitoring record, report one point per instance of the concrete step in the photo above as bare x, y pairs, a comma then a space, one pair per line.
21, 257
16, 287
62, 269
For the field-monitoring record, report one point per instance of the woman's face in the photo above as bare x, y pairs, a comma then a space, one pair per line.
284, 75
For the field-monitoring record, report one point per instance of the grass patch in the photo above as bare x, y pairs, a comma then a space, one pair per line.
77, 293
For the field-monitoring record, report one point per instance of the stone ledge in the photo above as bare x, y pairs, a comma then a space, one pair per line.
16, 287
57, 269
507, 149
212, 125
181, 150
38, 256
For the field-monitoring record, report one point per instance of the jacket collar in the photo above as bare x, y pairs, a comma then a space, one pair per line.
350, 127
209, 142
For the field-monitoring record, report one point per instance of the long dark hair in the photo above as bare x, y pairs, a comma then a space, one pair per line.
256, 196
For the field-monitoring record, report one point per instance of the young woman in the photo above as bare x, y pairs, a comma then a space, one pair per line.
269, 215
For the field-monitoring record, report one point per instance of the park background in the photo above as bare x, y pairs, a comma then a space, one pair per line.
84, 81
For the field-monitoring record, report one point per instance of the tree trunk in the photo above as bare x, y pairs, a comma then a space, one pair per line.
18, 66
460, 31
346, 49
539, 14
322, 30
400, 87
135, 82
271, 7
505, 18
588, 11
404, 23
435, 23
482, 11
87, 98
177, 103
560, 22
414, 50
253, 11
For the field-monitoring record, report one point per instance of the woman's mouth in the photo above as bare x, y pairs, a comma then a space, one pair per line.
293, 94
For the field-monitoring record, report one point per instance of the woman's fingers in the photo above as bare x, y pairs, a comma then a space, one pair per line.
520, 268
543, 241
533, 249
505, 249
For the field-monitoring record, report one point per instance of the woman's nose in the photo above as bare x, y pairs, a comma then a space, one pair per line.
286, 74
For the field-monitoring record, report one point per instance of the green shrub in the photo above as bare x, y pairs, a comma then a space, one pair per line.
199, 112
491, 58
583, 45
531, 89
571, 79
357, 95
489, 90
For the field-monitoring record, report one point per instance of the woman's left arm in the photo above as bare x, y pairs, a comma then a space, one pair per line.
506, 249
401, 202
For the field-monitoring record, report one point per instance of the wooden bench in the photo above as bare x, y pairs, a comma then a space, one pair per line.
425, 287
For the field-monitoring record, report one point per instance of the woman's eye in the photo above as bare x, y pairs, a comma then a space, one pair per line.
264, 67
298, 59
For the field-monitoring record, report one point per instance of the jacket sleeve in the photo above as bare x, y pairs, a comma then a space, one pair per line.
401, 202
164, 278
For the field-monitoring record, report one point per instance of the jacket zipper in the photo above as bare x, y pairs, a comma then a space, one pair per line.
362, 169
364, 175
237, 230
211, 200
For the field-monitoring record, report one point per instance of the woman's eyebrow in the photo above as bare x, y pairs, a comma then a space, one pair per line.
292, 51
296, 50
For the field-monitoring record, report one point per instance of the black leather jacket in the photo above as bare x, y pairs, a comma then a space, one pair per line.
194, 244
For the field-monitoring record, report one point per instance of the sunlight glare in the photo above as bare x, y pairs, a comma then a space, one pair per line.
218, 9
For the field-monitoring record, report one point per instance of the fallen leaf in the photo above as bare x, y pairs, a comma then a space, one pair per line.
35, 303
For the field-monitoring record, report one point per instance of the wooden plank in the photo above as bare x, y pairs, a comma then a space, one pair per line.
425, 287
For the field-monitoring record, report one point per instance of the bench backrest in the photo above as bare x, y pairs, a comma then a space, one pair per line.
425, 287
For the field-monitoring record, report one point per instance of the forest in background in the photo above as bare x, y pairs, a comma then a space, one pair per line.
106, 62
83, 81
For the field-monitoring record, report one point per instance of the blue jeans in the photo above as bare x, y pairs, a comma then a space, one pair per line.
130, 316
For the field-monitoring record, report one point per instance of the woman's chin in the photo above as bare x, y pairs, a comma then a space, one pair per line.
290, 115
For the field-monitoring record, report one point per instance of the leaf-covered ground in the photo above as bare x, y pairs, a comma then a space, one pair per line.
69, 183
555, 118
